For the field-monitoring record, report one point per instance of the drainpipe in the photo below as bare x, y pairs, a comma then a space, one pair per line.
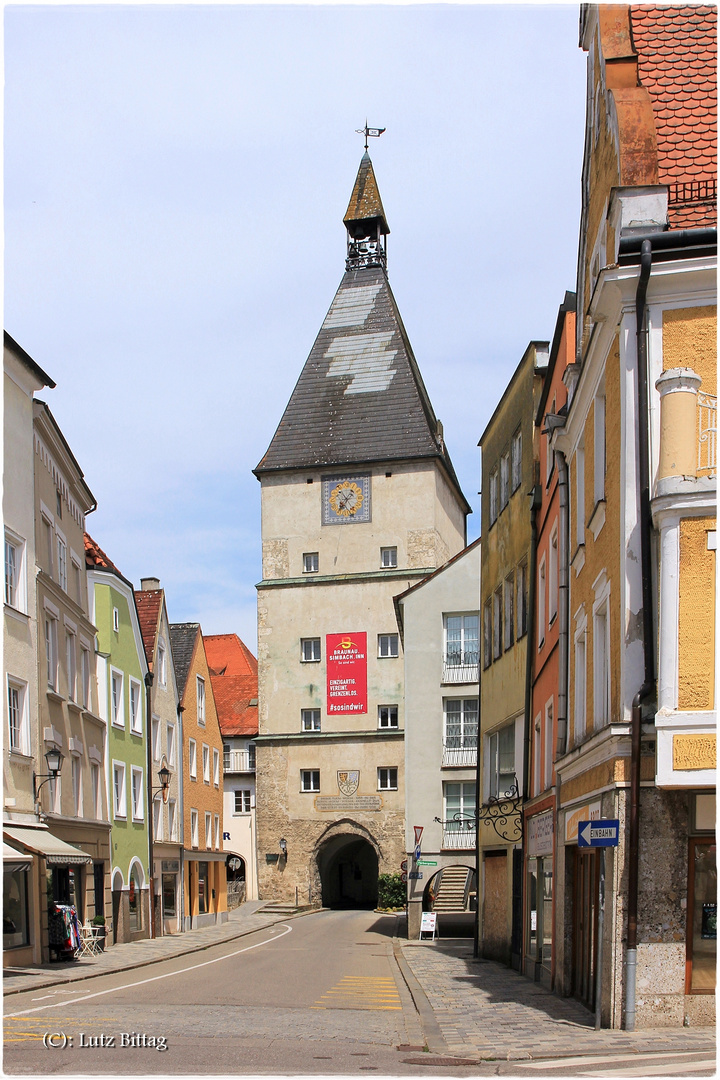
148, 741
563, 602
648, 685
536, 496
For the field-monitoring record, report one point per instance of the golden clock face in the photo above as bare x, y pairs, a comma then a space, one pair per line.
346, 498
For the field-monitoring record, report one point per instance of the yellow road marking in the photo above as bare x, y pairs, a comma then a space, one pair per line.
378, 993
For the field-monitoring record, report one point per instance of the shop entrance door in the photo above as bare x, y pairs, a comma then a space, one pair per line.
586, 893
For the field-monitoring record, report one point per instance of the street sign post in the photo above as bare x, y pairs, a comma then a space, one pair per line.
599, 833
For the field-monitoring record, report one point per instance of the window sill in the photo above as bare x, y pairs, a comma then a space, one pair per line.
16, 613
310, 661
134, 731
553, 617
54, 696
20, 758
578, 560
74, 707
597, 518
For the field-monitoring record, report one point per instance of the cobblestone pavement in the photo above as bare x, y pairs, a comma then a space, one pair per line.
486, 1011
243, 920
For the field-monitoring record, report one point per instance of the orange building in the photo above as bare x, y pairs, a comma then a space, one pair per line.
204, 879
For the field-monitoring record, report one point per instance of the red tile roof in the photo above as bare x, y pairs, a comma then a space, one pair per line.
149, 605
677, 64
95, 557
234, 678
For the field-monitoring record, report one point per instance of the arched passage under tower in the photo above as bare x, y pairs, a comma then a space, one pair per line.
348, 869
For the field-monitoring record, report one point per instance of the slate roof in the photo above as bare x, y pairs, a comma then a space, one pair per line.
677, 64
149, 606
234, 678
182, 643
365, 202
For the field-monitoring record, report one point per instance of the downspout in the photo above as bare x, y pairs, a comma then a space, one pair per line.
148, 741
648, 685
536, 496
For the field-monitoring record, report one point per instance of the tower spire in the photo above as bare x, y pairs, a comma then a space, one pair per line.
365, 219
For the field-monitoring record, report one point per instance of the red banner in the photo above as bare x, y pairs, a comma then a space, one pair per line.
346, 673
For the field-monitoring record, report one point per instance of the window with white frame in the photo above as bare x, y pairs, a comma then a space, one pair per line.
155, 738
601, 661
521, 599
18, 728
461, 640
157, 819
242, 801
309, 719
117, 703
47, 532
497, 623
459, 810
201, 700
309, 779
388, 645
162, 664
487, 634
15, 591
192, 758
549, 754
536, 754
251, 757
599, 459
542, 605
216, 828
172, 819
310, 650
71, 665
62, 563
76, 779
493, 501
216, 767
387, 716
138, 807
51, 651
580, 676
553, 575
504, 480
311, 562
208, 829
55, 793
95, 789
461, 723
387, 779
85, 677
549, 452
206, 763
135, 707
388, 557
508, 616
501, 760
170, 736
516, 455
116, 620
119, 795
580, 495
76, 578
194, 829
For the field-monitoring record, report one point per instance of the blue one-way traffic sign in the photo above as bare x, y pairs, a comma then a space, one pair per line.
602, 833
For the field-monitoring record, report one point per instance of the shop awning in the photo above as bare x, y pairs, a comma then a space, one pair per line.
42, 842
15, 860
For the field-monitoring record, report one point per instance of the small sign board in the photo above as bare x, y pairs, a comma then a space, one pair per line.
417, 853
604, 832
403, 877
428, 923
426, 862
415, 875
418, 830
403, 865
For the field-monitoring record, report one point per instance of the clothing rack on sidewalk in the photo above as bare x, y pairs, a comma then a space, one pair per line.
64, 935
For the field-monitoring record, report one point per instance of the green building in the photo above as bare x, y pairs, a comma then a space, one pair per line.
121, 671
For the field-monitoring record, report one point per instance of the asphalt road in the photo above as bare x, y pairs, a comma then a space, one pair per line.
319, 995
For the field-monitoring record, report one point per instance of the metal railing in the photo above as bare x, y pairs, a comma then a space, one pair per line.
707, 432
458, 836
460, 751
692, 191
467, 672
238, 761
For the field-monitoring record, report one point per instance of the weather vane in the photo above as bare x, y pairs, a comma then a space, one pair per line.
368, 132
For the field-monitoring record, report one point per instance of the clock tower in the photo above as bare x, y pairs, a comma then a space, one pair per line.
359, 501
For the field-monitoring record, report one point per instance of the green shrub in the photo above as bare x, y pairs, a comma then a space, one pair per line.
392, 892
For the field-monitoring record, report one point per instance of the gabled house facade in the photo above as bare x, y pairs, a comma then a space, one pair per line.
355, 507
234, 678
121, 678
439, 624
640, 742
510, 498
204, 877
165, 752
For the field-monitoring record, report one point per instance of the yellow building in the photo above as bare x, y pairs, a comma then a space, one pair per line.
203, 869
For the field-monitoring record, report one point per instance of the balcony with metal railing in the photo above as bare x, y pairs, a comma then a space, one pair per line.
459, 835
707, 433
460, 752
238, 761
461, 666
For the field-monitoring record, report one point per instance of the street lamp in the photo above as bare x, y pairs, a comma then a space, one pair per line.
164, 778
54, 760
283, 847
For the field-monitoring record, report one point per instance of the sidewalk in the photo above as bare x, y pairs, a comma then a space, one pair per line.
479, 1009
241, 921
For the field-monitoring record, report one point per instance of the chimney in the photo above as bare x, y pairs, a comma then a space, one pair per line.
149, 584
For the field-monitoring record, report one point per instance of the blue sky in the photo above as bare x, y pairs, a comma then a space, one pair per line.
175, 183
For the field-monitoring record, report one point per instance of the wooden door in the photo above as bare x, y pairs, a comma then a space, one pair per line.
585, 919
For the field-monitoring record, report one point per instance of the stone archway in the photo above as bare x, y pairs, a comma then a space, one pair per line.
347, 866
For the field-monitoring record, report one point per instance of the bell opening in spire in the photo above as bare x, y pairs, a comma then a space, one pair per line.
365, 221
